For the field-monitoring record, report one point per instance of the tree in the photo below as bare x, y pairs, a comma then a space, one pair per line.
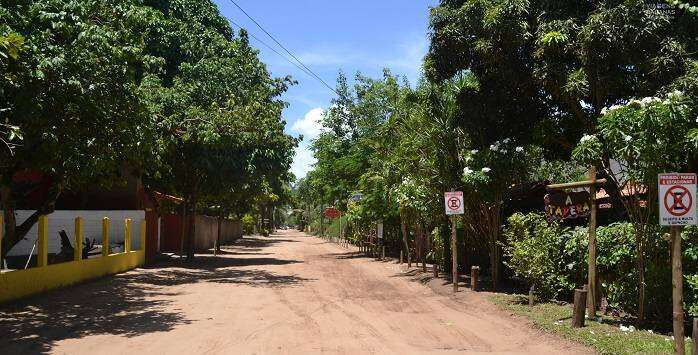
636, 142
546, 69
72, 95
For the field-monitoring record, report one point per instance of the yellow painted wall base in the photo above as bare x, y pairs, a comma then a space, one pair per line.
22, 283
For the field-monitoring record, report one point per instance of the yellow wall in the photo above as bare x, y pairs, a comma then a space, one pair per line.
22, 283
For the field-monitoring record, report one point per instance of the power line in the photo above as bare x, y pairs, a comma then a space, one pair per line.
284, 48
272, 49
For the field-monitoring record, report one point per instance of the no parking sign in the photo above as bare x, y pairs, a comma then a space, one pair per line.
677, 199
454, 203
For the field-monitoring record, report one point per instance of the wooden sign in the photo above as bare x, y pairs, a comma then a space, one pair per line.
332, 213
560, 205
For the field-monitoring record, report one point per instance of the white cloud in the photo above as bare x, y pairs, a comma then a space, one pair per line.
303, 161
310, 126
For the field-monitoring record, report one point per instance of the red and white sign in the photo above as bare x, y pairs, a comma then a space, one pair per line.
454, 203
677, 199
332, 213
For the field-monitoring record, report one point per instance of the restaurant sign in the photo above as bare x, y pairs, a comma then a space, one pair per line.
567, 205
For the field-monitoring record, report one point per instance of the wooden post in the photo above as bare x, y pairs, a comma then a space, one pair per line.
677, 290
127, 235
591, 291
42, 251
474, 271
77, 251
695, 336
580, 298
436, 270
105, 236
383, 256
532, 296
401, 256
454, 253
2, 235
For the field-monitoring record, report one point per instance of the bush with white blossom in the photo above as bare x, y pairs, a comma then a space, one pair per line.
647, 136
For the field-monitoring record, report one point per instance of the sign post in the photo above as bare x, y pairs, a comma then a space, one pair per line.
574, 207
677, 208
454, 207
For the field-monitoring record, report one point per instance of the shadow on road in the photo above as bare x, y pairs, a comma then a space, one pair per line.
134, 303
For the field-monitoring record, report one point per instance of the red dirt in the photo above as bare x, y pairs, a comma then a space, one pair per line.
290, 293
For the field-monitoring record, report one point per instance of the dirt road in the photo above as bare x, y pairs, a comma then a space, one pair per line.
290, 293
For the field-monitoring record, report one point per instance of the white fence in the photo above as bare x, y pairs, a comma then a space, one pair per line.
92, 225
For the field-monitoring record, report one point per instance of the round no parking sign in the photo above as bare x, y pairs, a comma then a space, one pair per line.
454, 203
677, 195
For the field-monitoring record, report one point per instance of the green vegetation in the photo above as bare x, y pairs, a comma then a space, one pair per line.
163, 90
604, 336
517, 94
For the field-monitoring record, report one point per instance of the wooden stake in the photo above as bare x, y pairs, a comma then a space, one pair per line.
401, 256
580, 298
677, 290
474, 271
532, 296
454, 253
591, 291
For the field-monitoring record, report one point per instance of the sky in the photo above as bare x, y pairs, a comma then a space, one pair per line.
328, 36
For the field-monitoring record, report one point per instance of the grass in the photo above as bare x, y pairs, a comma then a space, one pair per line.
605, 338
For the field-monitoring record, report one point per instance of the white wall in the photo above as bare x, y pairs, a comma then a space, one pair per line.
92, 228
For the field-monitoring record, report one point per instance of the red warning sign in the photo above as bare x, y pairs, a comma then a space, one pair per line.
454, 203
677, 199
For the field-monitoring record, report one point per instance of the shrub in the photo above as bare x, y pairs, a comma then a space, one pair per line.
554, 259
536, 251
248, 223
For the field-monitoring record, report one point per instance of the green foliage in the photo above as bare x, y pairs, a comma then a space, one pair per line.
554, 259
248, 222
163, 89
538, 253
546, 68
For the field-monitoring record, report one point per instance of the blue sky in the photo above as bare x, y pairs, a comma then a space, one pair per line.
328, 36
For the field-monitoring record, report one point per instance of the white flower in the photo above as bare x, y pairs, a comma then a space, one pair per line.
494, 148
637, 102
467, 171
486, 170
627, 138
474, 151
587, 137
604, 111
504, 151
468, 159
649, 100
675, 93
506, 140
519, 149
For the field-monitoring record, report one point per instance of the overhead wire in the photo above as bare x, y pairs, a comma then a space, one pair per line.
272, 49
284, 48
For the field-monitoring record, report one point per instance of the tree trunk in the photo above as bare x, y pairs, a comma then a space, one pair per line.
192, 231
15, 233
423, 246
184, 228
218, 236
405, 237
641, 279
